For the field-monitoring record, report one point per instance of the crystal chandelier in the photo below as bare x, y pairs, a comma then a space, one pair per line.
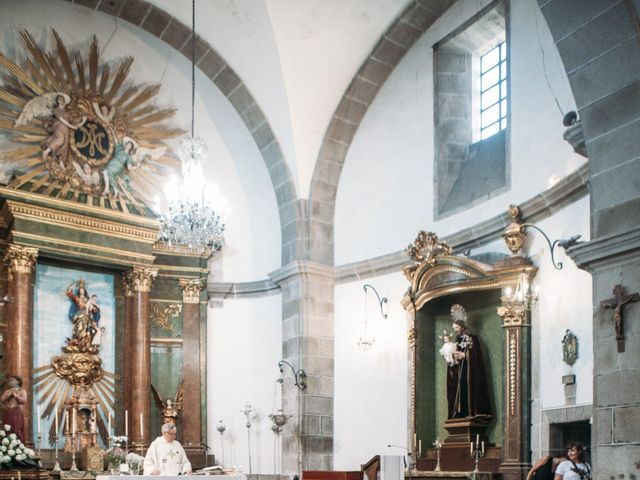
196, 211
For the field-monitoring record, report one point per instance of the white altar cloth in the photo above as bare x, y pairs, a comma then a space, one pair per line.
172, 477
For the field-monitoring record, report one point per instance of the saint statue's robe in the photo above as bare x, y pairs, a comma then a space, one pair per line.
168, 457
467, 394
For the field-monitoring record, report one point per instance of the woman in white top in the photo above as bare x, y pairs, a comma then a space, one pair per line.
574, 467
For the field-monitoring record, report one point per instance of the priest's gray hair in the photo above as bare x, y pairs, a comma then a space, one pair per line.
167, 427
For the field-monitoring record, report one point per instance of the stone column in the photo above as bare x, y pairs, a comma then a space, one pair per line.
308, 344
20, 263
127, 288
517, 367
191, 375
616, 375
139, 383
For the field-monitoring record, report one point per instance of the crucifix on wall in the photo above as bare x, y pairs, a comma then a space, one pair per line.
617, 303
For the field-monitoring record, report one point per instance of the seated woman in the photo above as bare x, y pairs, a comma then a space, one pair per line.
574, 466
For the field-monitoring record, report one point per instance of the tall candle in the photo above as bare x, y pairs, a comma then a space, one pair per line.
56, 423
420, 445
126, 424
141, 428
108, 425
482, 447
38, 416
471, 448
477, 441
67, 421
415, 437
73, 423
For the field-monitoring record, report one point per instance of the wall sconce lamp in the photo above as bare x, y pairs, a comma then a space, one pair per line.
6, 299
299, 375
365, 342
516, 232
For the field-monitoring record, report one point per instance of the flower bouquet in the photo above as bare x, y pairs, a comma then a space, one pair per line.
135, 462
13, 453
115, 455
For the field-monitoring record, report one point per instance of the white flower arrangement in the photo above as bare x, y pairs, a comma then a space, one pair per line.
13, 453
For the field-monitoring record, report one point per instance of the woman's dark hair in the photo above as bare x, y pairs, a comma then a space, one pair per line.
579, 448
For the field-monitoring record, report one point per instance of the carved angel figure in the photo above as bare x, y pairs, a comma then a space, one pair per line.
169, 408
128, 156
53, 107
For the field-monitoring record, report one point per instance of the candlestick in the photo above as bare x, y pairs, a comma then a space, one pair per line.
126, 423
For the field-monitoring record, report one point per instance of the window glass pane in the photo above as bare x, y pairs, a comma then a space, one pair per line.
503, 124
503, 70
490, 59
503, 89
490, 97
490, 130
503, 108
489, 79
503, 51
490, 115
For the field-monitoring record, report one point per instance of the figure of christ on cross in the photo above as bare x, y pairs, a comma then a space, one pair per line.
617, 303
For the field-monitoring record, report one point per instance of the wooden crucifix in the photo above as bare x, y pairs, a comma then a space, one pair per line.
617, 303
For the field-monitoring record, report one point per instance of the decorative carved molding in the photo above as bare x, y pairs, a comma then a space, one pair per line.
160, 315
514, 235
425, 249
191, 289
513, 372
127, 283
142, 278
81, 222
20, 259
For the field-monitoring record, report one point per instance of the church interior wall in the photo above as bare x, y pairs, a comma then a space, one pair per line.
394, 142
370, 392
253, 232
244, 341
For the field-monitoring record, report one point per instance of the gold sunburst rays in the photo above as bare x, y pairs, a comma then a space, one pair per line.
53, 393
96, 92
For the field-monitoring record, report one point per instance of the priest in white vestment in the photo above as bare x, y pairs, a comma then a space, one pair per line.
165, 455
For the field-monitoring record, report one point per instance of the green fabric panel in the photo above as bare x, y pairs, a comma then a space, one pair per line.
166, 375
431, 390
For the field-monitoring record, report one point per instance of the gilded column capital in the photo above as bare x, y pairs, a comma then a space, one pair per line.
513, 314
191, 288
20, 259
141, 278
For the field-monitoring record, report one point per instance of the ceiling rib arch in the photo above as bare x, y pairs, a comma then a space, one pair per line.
170, 30
385, 56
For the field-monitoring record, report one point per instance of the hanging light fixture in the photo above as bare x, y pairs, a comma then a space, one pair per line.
196, 211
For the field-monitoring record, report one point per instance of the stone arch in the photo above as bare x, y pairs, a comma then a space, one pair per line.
145, 15
385, 56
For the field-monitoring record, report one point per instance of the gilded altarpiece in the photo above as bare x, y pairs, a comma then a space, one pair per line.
438, 280
86, 156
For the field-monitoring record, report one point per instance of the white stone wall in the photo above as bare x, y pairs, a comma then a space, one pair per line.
244, 346
385, 196
370, 386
